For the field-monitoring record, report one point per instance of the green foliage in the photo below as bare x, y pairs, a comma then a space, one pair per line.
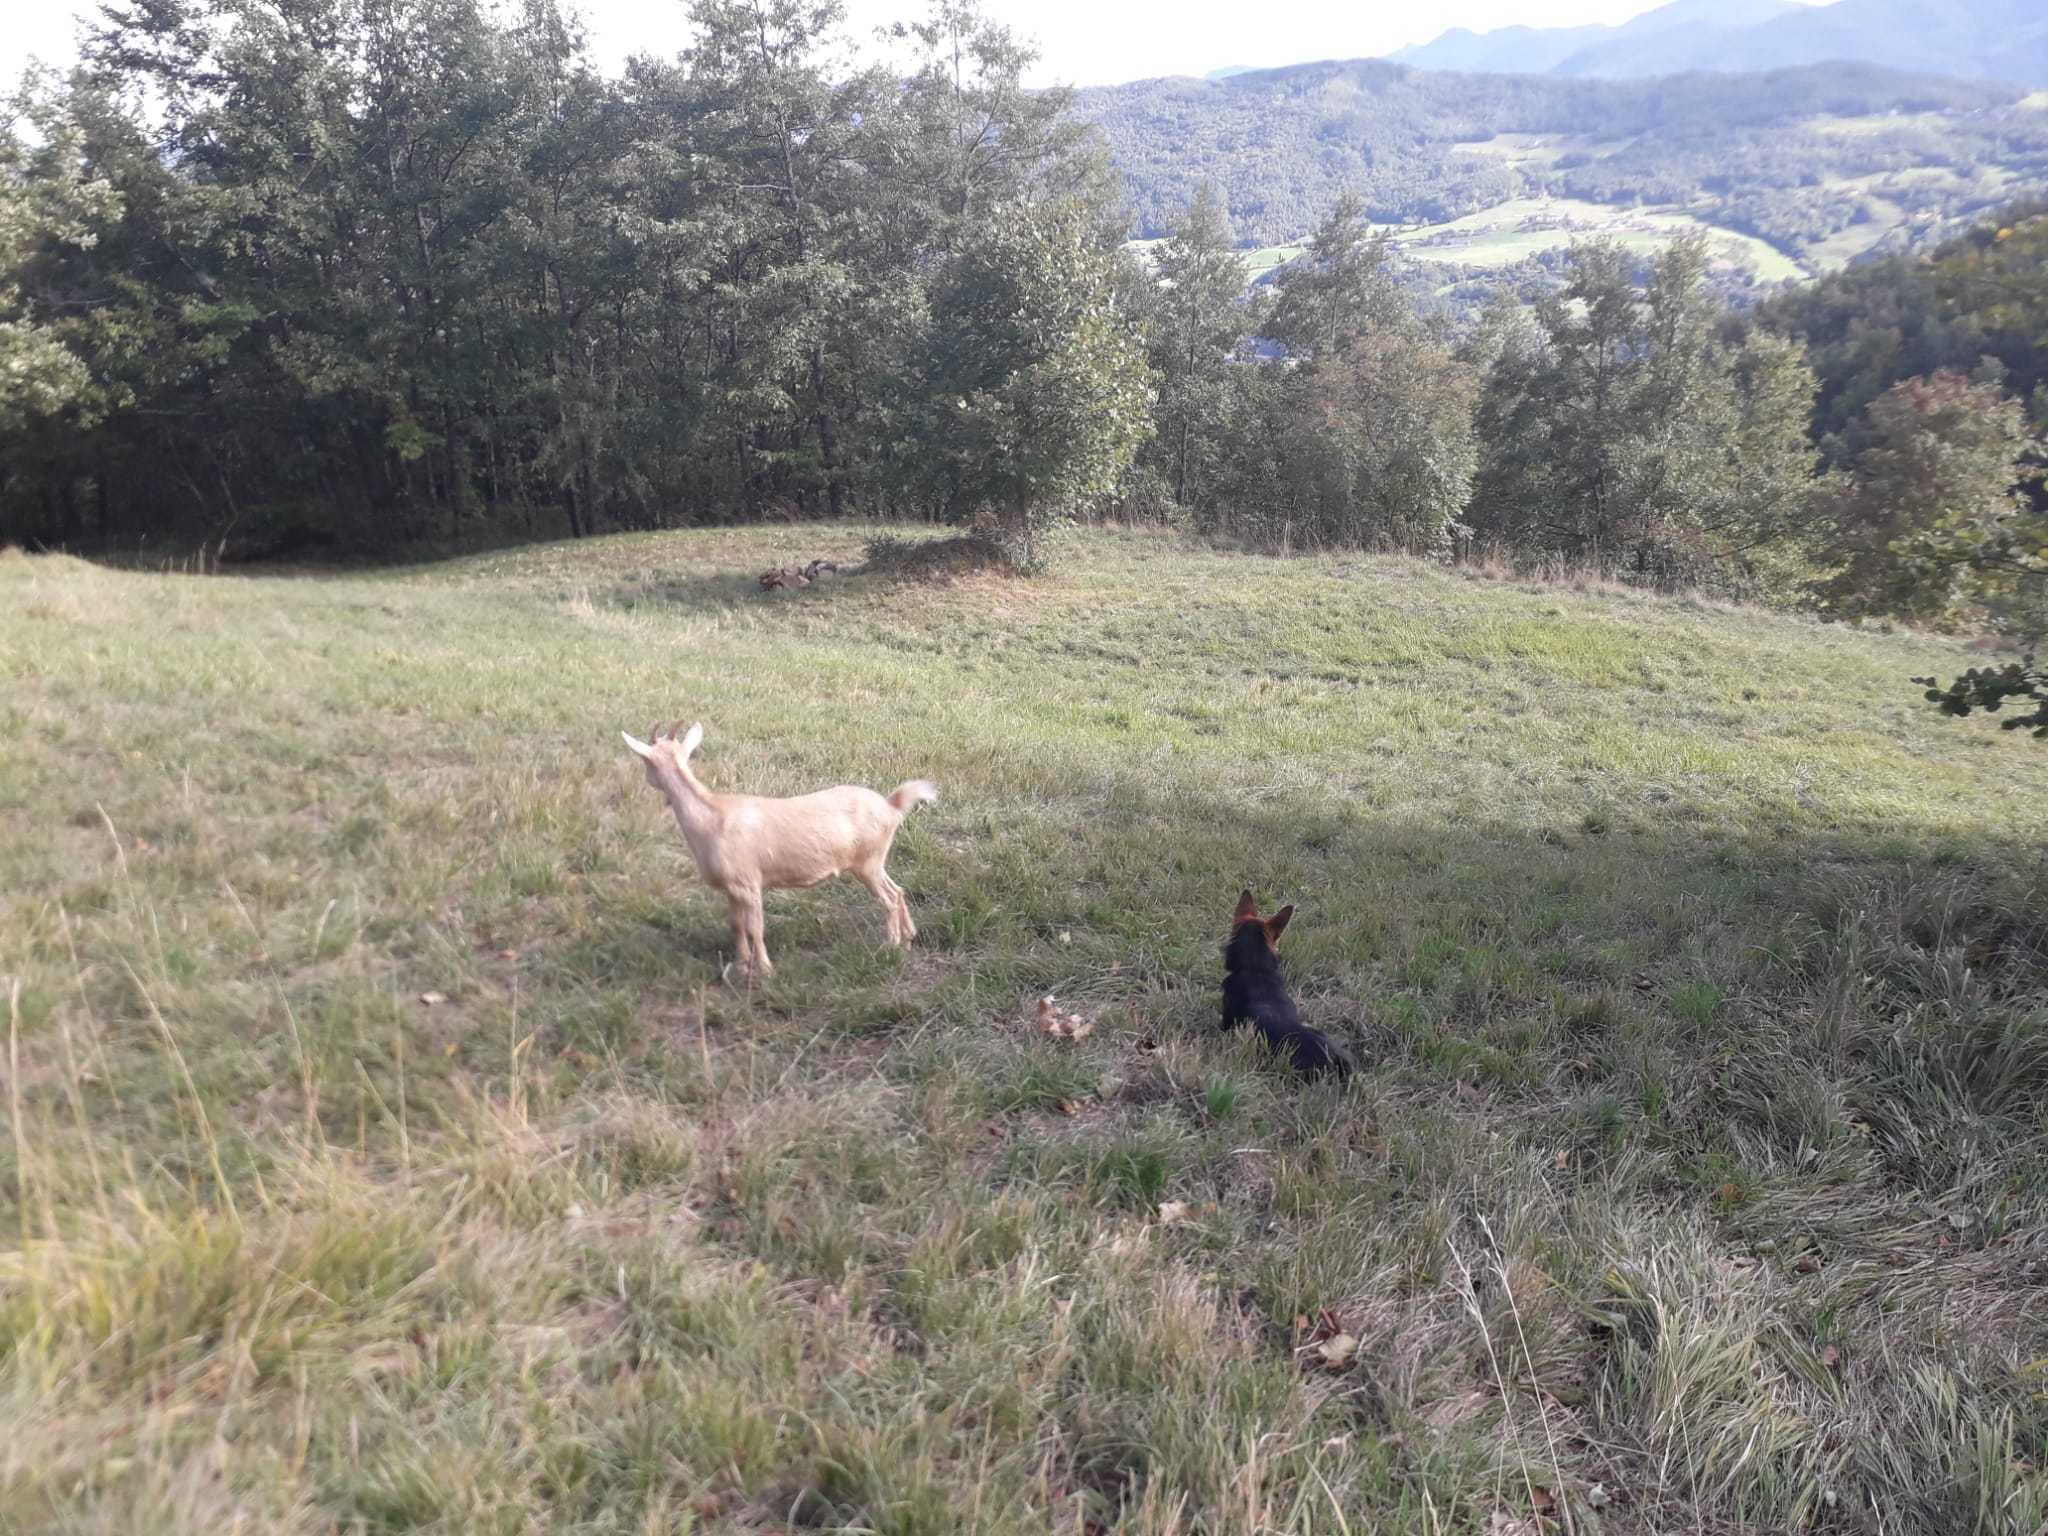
1199, 319
1361, 438
1991, 689
1041, 390
1340, 290
1629, 431
395, 273
1865, 329
1997, 274
48, 201
1368, 446
1932, 518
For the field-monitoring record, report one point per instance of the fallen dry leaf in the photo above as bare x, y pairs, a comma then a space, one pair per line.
1543, 1499
1171, 1211
431, 998
1062, 1026
1337, 1350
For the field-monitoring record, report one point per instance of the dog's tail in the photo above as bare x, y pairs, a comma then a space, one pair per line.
1315, 1053
912, 792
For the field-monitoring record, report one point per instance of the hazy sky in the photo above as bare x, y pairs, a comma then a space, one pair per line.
1083, 42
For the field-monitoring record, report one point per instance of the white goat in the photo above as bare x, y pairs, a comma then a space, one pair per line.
747, 844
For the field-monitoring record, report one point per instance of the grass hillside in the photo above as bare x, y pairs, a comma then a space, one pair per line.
385, 1154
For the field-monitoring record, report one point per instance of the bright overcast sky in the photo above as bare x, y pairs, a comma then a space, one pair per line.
1083, 42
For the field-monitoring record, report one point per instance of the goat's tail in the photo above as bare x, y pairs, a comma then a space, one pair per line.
912, 792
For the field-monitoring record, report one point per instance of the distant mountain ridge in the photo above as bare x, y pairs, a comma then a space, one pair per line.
1977, 39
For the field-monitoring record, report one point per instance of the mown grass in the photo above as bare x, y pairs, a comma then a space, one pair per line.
1694, 1179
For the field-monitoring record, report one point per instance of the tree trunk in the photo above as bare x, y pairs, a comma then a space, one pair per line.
828, 436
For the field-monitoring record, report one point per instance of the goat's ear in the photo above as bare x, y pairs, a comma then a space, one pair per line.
691, 742
1277, 923
1247, 909
640, 748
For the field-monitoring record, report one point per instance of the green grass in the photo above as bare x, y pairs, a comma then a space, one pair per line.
1527, 226
1270, 258
1257, 263
1694, 1179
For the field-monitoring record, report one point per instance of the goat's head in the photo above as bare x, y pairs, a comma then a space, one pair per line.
665, 752
1270, 928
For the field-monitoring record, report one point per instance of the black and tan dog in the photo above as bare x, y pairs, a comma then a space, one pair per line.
1254, 993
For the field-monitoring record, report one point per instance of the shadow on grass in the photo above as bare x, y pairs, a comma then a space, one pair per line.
1525, 964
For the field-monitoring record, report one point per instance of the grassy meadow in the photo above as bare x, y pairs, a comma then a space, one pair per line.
384, 1152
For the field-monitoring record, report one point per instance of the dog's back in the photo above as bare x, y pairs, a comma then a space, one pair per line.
1254, 992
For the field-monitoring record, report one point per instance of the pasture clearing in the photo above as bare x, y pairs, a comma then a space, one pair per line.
384, 1153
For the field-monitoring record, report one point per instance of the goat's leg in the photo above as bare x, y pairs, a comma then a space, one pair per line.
890, 895
742, 936
762, 964
907, 928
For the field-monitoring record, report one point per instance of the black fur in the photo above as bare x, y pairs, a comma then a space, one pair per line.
1253, 993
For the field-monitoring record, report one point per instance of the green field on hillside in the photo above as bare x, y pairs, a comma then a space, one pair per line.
1257, 263
1527, 226
385, 1152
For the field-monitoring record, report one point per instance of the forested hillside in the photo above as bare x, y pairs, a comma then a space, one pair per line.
409, 276
1823, 163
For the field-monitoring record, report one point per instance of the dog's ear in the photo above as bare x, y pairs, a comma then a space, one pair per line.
1277, 923
1247, 910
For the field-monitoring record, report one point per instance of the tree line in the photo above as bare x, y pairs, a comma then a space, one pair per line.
402, 271
382, 271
